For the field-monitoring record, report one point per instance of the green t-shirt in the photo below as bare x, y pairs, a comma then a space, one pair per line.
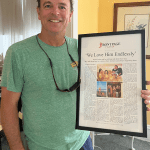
49, 115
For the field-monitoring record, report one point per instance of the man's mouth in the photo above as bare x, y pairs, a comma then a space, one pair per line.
54, 21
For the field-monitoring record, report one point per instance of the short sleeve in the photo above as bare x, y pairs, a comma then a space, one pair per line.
12, 74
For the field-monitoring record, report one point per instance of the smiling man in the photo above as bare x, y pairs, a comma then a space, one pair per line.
40, 70
55, 16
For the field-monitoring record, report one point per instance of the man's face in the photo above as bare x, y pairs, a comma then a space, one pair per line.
116, 67
54, 15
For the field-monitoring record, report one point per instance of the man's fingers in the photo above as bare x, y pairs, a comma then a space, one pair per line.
148, 109
147, 102
146, 92
147, 82
145, 97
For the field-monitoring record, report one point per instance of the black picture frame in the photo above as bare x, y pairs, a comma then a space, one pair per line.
142, 6
144, 117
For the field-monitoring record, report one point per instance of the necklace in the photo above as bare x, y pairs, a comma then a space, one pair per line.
76, 85
48, 56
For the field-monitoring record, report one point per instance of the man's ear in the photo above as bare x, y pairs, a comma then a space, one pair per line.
38, 12
70, 16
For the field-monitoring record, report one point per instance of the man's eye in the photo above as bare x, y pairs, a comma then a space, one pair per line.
47, 6
62, 7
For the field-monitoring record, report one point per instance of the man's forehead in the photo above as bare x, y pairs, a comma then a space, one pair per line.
55, 1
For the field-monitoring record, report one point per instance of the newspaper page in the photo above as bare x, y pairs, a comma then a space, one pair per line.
111, 83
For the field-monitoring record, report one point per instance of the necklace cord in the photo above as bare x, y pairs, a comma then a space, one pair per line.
51, 61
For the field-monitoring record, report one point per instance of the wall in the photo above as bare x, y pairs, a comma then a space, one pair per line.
88, 16
97, 16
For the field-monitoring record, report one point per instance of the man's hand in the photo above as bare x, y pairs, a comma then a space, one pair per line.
145, 95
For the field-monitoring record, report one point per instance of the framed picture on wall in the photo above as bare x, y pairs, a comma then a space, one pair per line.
133, 16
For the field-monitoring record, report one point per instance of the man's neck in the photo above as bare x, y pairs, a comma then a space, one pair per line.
52, 39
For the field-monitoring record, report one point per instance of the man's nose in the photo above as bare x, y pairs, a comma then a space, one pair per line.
55, 11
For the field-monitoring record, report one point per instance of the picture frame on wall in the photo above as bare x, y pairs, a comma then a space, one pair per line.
133, 16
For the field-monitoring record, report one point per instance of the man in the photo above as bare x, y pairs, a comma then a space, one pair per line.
49, 113
109, 89
99, 93
117, 70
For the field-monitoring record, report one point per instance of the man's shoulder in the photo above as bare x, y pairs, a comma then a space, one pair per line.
23, 44
119, 69
72, 41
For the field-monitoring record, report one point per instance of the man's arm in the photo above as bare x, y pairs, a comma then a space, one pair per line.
9, 118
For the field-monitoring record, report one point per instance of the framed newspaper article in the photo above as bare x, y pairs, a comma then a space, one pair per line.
112, 72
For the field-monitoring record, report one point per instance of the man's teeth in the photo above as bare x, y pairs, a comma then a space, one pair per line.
54, 20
